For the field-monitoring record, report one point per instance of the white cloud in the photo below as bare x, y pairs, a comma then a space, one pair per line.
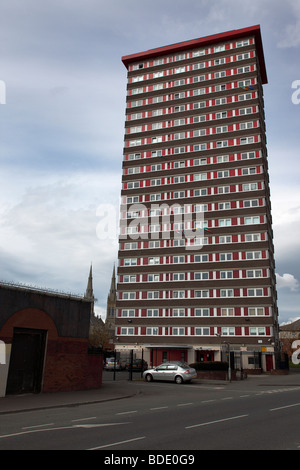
48, 236
287, 281
291, 32
289, 320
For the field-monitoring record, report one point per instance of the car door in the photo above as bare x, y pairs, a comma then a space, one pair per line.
160, 372
171, 372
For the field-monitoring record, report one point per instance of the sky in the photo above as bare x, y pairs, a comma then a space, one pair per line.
62, 112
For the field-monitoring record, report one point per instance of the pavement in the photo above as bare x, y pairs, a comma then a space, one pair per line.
119, 389
110, 390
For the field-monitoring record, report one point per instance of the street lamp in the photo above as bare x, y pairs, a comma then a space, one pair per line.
229, 366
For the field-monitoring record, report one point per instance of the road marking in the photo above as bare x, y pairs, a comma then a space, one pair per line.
117, 443
74, 426
286, 406
34, 431
159, 408
38, 426
217, 421
185, 404
227, 398
207, 401
88, 426
126, 412
244, 396
83, 419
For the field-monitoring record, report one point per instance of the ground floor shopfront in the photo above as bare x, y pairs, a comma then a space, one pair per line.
250, 358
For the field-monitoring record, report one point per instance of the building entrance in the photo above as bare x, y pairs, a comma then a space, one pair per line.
26, 361
160, 355
204, 356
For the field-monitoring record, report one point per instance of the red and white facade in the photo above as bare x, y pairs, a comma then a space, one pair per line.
196, 258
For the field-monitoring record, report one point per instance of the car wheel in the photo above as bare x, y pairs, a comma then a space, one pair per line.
149, 378
178, 379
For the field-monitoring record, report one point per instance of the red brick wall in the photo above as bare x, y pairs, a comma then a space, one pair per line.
69, 367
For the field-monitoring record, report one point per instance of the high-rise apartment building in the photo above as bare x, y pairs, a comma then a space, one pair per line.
196, 271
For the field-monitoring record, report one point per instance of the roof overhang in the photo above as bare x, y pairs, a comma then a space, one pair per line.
205, 41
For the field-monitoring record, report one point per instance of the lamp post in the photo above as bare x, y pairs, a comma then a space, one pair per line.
229, 366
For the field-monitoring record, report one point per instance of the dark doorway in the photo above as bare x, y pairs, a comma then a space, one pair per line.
204, 356
26, 362
269, 362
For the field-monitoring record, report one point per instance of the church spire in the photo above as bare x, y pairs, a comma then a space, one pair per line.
89, 294
112, 291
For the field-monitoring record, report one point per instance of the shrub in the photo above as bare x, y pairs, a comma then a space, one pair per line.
210, 365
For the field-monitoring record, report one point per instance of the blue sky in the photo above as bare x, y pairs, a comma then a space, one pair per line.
61, 129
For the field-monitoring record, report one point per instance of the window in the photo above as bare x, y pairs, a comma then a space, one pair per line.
225, 256
127, 331
178, 294
178, 259
224, 222
224, 206
152, 312
251, 203
155, 197
226, 274
153, 277
178, 276
227, 312
257, 331
251, 220
153, 294
130, 261
152, 331
201, 293
154, 260
201, 312
202, 331
129, 295
255, 292
256, 311
201, 258
243, 43
225, 239
254, 273
127, 313
253, 255
178, 312
127, 278
250, 187
228, 331
201, 276
223, 189
178, 331
226, 293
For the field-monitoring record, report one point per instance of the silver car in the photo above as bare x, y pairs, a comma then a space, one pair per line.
111, 364
175, 371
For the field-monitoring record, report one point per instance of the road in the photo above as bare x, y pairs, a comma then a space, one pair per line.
246, 415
